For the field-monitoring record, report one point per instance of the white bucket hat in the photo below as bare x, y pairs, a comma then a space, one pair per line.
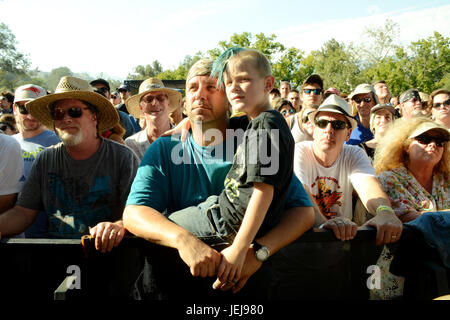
74, 88
336, 104
150, 85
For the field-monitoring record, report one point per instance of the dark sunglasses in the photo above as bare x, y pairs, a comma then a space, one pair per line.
366, 99
425, 140
74, 112
149, 99
315, 91
4, 126
22, 109
290, 111
414, 100
439, 104
335, 124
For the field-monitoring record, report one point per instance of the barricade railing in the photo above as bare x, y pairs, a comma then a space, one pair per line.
315, 266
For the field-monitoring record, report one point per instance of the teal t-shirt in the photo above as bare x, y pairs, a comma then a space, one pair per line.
174, 175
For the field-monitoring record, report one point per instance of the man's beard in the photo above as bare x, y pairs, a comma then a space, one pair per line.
70, 139
36, 125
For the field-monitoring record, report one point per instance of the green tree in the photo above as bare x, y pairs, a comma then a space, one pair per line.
379, 43
180, 73
13, 64
430, 62
143, 72
55, 75
337, 65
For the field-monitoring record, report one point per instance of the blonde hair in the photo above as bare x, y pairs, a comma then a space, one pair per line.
256, 58
391, 151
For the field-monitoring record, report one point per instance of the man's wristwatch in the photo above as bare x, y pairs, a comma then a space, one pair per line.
261, 252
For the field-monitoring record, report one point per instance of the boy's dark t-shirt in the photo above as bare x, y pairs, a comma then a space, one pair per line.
265, 155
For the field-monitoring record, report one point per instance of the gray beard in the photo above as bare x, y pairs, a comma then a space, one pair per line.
70, 139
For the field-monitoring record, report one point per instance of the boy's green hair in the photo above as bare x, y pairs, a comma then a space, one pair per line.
219, 66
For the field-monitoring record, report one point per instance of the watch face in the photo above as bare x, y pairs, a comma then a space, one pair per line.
262, 254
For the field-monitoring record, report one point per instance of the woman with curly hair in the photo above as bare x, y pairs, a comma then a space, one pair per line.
412, 163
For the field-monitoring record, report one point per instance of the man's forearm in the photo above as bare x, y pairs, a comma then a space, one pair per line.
295, 222
151, 225
16, 220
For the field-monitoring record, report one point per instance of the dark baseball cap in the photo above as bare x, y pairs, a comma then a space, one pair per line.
314, 79
123, 87
100, 81
409, 94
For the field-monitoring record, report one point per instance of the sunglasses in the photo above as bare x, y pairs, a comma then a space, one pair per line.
425, 140
290, 111
366, 99
414, 100
446, 103
315, 91
74, 112
22, 109
150, 99
4, 127
335, 124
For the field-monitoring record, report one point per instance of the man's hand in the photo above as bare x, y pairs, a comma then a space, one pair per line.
343, 228
251, 265
389, 227
107, 235
202, 260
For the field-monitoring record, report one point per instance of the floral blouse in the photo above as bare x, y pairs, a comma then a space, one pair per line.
406, 194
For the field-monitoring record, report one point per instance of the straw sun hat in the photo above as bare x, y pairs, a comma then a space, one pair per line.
74, 88
150, 85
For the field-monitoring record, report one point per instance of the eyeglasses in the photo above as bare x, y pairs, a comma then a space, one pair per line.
425, 140
4, 127
315, 91
414, 100
335, 124
446, 103
149, 99
366, 99
290, 111
22, 109
74, 112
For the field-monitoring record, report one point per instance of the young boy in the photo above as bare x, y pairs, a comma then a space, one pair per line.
255, 188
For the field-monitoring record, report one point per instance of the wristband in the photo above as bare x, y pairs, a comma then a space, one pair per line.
384, 208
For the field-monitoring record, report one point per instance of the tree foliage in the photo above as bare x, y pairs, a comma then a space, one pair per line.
13, 64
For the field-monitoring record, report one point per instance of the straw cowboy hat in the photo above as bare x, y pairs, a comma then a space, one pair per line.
74, 88
150, 85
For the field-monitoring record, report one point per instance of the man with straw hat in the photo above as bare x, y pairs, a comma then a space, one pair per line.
154, 102
82, 182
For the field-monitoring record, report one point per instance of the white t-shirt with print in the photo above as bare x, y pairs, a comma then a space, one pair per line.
332, 187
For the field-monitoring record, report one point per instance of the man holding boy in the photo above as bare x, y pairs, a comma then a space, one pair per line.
207, 108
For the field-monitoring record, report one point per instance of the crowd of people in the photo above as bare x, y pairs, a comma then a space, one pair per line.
82, 160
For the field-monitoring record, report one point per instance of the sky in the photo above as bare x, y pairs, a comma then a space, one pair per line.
110, 38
